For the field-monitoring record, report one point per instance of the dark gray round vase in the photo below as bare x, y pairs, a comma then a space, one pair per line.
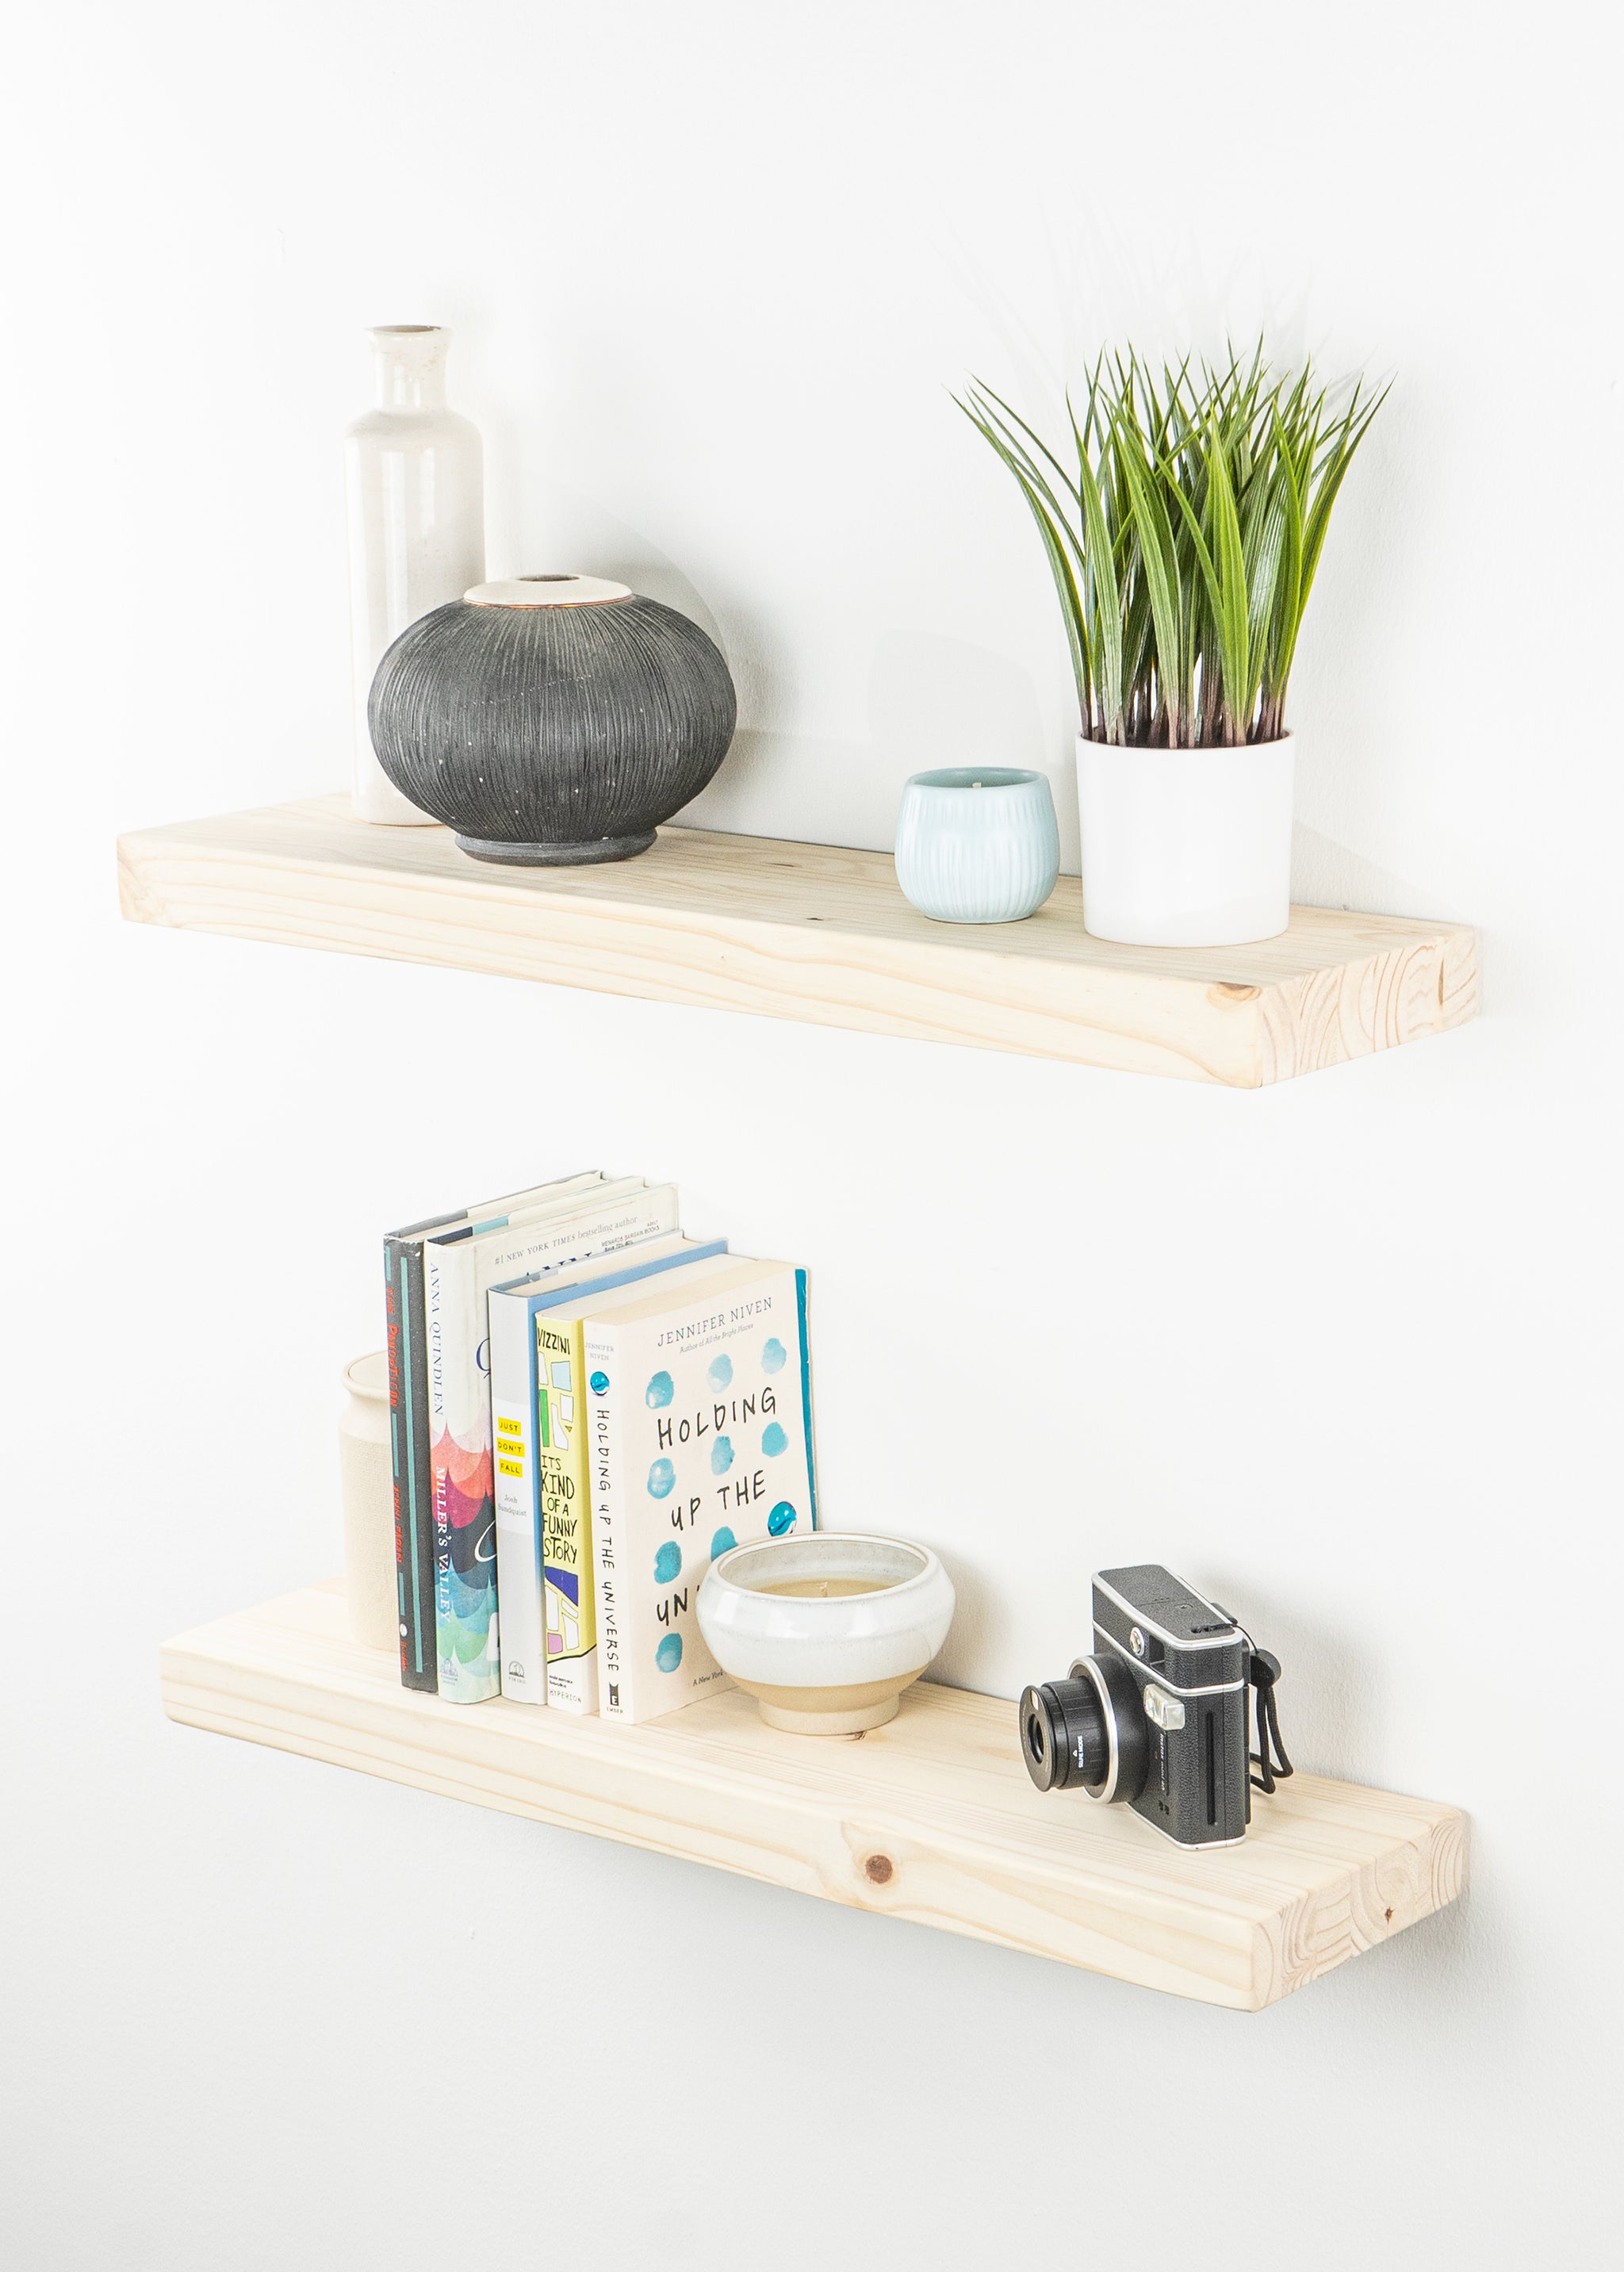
552, 720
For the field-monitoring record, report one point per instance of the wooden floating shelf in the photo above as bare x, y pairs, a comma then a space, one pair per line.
932, 1819
813, 932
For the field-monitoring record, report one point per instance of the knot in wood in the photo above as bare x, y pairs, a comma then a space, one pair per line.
878, 1867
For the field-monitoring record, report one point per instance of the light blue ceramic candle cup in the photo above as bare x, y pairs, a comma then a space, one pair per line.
977, 844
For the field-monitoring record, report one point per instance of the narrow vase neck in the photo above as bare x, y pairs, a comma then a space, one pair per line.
408, 366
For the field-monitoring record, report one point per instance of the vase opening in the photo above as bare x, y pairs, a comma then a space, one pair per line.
976, 777
408, 366
558, 589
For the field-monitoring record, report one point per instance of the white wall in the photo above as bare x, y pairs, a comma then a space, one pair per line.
1347, 1350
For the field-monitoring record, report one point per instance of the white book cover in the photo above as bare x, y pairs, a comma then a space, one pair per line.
700, 1421
460, 1268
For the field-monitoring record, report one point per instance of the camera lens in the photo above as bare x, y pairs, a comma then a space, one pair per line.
1087, 1732
1064, 1738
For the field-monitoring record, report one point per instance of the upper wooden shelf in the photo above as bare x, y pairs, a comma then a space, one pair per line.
930, 1819
813, 932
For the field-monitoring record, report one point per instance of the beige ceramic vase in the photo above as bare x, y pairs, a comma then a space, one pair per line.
366, 1473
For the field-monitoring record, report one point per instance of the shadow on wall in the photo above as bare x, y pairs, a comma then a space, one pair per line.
586, 539
933, 701
1326, 874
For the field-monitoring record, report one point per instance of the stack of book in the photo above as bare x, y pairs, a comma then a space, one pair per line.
585, 1407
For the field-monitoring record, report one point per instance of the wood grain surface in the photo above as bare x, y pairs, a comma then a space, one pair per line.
814, 932
930, 1819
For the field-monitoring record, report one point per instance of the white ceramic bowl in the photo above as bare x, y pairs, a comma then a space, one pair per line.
826, 1665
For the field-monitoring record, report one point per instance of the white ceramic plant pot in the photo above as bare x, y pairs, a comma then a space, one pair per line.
821, 1661
367, 1479
1186, 847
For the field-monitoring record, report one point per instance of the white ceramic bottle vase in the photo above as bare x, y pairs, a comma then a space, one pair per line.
416, 487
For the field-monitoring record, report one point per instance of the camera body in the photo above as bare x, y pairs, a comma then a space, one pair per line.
1158, 1717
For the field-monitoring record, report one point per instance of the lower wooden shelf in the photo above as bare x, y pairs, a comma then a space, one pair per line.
930, 1819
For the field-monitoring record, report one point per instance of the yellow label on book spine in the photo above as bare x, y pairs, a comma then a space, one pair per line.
567, 1581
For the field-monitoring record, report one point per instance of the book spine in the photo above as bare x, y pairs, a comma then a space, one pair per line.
569, 1578
408, 1433
599, 1363
806, 1406
465, 1570
457, 1271
515, 1490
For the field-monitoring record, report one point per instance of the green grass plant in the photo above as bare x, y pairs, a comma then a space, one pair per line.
1185, 544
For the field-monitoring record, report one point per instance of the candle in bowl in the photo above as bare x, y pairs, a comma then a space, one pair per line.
826, 1631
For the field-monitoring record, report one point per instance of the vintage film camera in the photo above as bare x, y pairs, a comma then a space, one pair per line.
1159, 1715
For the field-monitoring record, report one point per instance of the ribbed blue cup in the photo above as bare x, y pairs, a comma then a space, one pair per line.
977, 844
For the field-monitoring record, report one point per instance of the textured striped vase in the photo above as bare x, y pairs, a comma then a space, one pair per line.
977, 844
552, 720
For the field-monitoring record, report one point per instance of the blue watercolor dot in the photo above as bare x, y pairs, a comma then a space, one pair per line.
723, 1542
658, 1393
774, 1441
773, 1357
668, 1657
668, 1562
598, 1383
720, 1455
662, 1476
782, 1519
721, 1373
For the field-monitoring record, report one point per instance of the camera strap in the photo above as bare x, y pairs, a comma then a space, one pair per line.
1263, 1672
